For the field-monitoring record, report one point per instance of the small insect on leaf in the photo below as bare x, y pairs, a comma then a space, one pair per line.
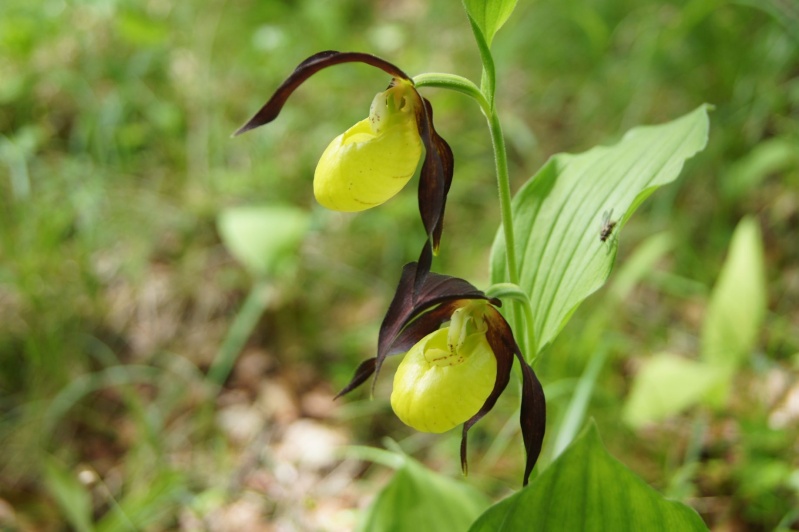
607, 227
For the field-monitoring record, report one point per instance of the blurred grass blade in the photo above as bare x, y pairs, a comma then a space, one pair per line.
418, 499
91, 382
640, 263
259, 298
575, 414
264, 239
148, 505
738, 302
558, 215
70, 495
587, 489
667, 384
489, 15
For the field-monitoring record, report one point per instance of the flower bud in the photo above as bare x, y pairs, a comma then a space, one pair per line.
371, 161
440, 385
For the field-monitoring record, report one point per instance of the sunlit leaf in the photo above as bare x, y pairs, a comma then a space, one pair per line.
587, 489
559, 213
667, 384
263, 239
489, 15
738, 303
419, 499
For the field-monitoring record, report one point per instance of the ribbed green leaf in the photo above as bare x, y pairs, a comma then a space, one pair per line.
418, 499
489, 15
559, 213
586, 489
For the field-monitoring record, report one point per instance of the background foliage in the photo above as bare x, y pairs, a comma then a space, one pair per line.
117, 294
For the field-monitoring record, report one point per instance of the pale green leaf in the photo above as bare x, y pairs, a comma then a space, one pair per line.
586, 489
558, 215
668, 384
418, 499
70, 495
489, 15
738, 302
263, 239
772, 156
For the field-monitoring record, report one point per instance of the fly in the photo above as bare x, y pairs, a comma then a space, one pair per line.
607, 227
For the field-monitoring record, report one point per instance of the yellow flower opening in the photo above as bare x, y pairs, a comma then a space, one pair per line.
446, 377
370, 162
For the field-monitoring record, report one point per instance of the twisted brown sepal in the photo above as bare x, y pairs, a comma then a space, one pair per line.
420, 305
430, 297
436, 175
533, 418
305, 70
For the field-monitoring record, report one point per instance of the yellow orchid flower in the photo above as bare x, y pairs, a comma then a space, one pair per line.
373, 160
445, 378
370, 162
452, 374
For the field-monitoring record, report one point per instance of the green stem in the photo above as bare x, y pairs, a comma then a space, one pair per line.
506, 212
503, 183
514, 293
467, 87
455, 83
257, 301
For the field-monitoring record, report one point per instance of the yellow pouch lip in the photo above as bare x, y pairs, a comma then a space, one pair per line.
374, 159
435, 393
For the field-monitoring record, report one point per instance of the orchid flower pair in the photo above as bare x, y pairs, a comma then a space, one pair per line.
450, 375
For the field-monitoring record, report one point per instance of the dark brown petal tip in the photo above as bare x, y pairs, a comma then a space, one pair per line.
500, 338
533, 412
533, 418
435, 178
305, 70
364, 371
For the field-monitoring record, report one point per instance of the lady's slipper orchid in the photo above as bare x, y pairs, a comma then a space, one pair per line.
455, 374
370, 162
447, 376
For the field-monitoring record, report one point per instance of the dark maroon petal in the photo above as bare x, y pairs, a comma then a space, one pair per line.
411, 302
533, 418
435, 178
424, 325
363, 372
423, 267
503, 348
305, 70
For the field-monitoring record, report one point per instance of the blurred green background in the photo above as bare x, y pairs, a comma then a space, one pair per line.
117, 294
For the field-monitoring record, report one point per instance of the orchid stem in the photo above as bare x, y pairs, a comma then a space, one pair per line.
506, 213
467, 87
455, 83
503, 182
